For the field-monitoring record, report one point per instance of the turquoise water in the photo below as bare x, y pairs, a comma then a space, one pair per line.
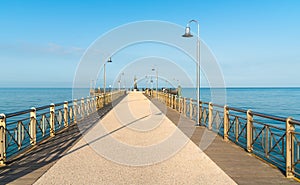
283, 102
276, 101
17, 99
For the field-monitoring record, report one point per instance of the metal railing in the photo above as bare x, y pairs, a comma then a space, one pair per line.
22, 130
272, 138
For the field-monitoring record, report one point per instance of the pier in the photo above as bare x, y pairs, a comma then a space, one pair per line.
57, 144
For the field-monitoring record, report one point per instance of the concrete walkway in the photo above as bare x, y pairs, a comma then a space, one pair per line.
135, 144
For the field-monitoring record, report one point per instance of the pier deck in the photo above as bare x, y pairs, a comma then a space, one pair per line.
138, 123
242, 167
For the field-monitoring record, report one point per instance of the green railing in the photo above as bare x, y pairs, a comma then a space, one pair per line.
19, 131
272, 138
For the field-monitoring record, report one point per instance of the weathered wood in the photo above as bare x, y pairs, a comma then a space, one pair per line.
242, 167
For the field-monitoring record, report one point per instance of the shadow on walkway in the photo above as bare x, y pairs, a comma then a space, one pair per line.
29, 166
242, 167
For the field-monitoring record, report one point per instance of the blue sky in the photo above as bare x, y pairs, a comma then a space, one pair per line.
256, 42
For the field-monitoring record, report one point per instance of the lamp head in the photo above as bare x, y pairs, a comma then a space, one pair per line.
187, 32
109, 60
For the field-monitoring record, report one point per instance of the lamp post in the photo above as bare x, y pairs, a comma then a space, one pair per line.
155, 69
104, 85
188, 34
120, 80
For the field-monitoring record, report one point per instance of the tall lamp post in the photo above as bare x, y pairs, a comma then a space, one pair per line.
188, 34
104, 85
155, 69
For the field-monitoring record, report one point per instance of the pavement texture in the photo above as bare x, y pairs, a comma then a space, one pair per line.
135, 143
30, 165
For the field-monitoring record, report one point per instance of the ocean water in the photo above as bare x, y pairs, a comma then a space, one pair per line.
282, 102
18, 99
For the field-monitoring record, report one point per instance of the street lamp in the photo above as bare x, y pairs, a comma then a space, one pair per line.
155, 69
119, 81
104, 86
188, 34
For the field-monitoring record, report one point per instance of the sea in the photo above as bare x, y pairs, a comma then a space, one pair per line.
283, 102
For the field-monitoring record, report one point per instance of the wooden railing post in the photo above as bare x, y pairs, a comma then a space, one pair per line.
210, 115
290, 128
88, 106
52, 120
97, 102
32, 127
94, 104
2, 139
66, 120
226, 122
191, 108
175, 102
249, 131
75, 110
172, 101
83, 108
184, 106
200, 113
179, 104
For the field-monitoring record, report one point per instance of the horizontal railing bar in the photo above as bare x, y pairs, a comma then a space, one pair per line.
296, 122
238, 116
266, 124
59, 104
237, 109
43, 107
17, 113
217, 105
269, 116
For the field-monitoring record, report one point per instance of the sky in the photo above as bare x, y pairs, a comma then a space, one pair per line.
256, 43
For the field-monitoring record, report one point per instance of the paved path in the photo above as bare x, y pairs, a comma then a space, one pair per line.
135, 144
242, 167
29, 166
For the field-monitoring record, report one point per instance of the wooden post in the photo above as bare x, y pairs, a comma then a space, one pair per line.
52, 120
88, 106
66, 120
290, 128
210, 115
82, 108
94, 105
226, 122
2, 139
179, 104
97, 102
191, 108
184, 106
32, 126
249, 131
200, 112
75, 110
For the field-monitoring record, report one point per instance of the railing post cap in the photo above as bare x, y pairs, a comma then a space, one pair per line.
2, 115
65, 101
33, 109
52, 104
249, 111
289, 118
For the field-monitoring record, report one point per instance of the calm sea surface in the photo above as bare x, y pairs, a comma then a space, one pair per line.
276, 101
